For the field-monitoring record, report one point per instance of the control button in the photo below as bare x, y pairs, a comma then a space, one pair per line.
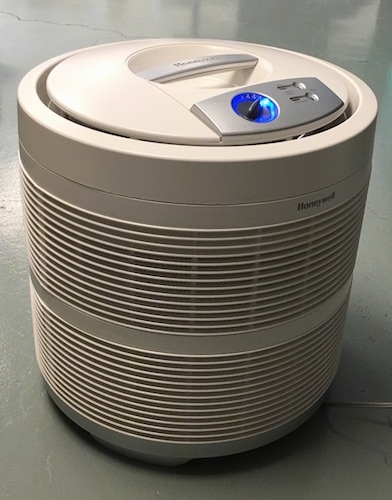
312, 96
309, 96
255, 107
288, 86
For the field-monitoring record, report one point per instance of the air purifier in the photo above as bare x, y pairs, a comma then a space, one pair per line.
192, 211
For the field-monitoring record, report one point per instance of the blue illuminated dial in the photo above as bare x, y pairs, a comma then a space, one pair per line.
255, 107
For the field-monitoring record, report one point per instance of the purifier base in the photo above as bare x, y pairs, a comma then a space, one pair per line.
175, 454
144, 457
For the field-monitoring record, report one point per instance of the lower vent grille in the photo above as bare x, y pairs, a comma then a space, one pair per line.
182, 398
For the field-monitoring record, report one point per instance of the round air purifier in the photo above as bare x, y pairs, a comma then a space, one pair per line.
193, 210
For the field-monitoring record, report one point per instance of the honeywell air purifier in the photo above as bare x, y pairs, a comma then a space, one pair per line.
192, 210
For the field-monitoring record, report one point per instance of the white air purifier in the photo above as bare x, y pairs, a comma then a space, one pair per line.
193, 210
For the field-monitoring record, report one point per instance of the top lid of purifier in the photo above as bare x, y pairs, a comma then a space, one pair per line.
197, 92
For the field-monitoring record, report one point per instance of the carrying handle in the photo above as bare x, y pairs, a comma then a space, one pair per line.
198, 65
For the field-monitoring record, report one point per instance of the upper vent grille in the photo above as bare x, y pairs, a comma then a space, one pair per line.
169, 280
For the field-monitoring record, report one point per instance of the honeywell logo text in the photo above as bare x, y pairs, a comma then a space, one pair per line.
200, 60
316, 203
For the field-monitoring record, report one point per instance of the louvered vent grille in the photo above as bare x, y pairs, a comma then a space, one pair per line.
186, 398
168, 280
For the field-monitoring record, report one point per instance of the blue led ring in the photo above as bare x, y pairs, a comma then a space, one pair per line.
264, 109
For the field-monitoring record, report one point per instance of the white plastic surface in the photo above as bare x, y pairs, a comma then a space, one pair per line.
100, 86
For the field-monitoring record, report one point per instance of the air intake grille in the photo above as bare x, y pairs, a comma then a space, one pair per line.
190, 399
169, 280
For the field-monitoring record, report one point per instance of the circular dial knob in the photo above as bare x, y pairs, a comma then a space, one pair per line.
255, 107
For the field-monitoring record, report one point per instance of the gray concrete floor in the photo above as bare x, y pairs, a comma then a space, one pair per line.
339, 453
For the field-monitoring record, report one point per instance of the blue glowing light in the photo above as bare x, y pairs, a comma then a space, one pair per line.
267, 112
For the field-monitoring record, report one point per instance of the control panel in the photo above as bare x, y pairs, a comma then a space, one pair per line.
270, 111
